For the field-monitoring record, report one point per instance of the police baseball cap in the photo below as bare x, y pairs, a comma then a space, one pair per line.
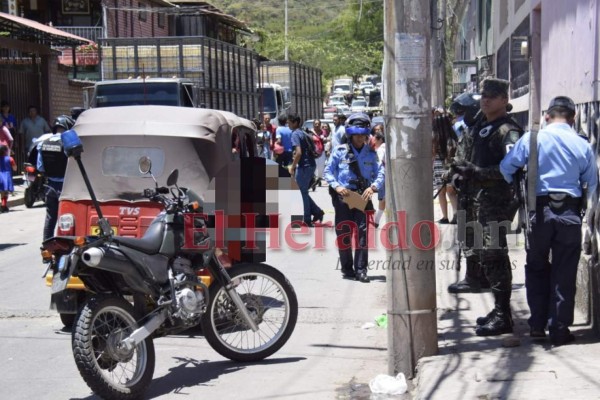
563, 102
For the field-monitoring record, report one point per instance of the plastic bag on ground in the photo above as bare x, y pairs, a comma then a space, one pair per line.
386, 384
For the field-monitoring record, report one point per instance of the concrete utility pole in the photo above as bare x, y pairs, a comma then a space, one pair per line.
412, 322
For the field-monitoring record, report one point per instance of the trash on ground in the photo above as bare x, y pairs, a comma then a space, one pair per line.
368, 325
382, 320
386, 384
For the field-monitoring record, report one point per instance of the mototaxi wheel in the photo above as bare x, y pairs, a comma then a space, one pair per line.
110, 371
271, 301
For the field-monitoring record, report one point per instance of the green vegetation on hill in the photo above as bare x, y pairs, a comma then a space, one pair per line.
340, 37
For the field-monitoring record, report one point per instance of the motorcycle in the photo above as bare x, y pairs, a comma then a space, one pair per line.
141, 289
35, 183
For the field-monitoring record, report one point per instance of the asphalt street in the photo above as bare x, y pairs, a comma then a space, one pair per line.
331, 354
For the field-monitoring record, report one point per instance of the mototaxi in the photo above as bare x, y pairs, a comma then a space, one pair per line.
215, 152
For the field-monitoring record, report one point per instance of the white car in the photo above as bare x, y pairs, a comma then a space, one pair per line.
367, 87
345, 110
358, 106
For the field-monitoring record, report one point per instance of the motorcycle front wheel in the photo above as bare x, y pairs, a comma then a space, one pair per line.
110, 371
271, 301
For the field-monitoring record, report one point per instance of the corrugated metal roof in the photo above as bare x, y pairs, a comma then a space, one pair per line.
204, 7
31, 31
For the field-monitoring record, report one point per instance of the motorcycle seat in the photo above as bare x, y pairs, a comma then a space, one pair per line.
150, 243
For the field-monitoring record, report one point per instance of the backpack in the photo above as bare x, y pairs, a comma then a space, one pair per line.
314, 144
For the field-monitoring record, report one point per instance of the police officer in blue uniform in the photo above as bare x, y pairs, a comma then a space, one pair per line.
353, 167
565, 163
52, 161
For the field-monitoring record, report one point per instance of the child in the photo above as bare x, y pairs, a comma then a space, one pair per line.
7, 166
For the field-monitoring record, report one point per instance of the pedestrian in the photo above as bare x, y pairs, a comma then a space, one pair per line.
6, 139
7, 167
52, 161
272, 129
443, 147
323, 135
565, 164
327, 142
353, 167
303, 170
377, 143
338, 131
6, 118
468, 104
492, 136
33, 126
284, 139
263, 142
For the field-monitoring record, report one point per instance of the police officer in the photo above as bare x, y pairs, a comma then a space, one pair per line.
466, 105
52, 161
565, 163
493, 136
353, 167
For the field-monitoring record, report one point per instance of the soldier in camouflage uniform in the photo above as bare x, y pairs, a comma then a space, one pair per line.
467, 105
492, 197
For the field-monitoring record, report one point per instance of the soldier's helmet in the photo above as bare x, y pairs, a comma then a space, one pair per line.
466, 104
358, 124
62, 121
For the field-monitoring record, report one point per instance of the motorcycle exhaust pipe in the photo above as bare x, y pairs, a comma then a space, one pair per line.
92, 257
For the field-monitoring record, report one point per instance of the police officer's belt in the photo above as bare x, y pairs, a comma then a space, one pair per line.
557, 200
484, 184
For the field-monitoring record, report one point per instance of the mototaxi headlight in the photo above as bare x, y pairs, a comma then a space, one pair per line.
66, 222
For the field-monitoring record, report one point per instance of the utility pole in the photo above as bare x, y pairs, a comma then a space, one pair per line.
412, 319
285, 56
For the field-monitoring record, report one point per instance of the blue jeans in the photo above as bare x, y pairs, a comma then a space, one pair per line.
303, 178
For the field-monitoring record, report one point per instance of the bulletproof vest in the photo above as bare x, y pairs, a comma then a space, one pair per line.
488, 141
53, 158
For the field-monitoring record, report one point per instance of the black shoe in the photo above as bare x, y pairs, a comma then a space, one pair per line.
362, 277
562, 340
348, 274
318, 217
484, 283
537, 333
499, 324
484, 320
453, 220
464, 286
443, 221
4, 208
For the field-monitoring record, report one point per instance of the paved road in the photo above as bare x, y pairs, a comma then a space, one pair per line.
329, 355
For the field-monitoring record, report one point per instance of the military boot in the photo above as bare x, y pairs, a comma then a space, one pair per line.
472, 282
500, 321
487, 318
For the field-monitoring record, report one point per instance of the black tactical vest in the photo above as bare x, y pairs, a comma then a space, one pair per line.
53, 158
489, 141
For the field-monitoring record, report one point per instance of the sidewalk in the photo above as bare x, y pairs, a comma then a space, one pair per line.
471, 367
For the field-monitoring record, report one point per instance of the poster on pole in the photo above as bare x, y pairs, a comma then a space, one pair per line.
410, 52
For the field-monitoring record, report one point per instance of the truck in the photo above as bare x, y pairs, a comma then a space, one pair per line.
287, 87
152, 91
342, 86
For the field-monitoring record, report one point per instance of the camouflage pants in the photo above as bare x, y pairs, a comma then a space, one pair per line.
487, 235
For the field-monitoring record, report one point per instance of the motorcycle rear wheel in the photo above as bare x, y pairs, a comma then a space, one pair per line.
29, 197
271, 301
111, 372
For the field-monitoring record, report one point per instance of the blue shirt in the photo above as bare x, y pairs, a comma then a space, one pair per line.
336, 137
565, 161
459, 126
285, 134
337, 171
299, 138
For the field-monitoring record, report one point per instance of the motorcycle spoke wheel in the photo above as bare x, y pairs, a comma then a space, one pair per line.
109, 369
271, 303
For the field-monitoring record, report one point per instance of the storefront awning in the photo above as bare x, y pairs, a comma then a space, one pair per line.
26, 30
